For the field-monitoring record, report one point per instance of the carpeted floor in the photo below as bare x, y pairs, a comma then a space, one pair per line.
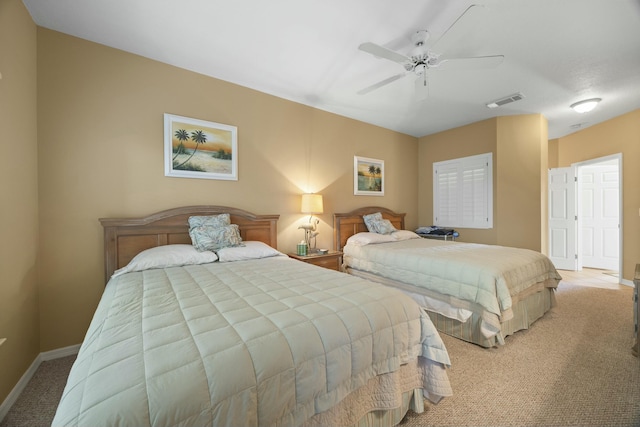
37, 404
572, 368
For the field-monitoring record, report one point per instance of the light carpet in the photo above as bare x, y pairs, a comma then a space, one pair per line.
573, 367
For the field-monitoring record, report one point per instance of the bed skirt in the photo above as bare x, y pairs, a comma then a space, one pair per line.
384, 400
525, 312
527, 307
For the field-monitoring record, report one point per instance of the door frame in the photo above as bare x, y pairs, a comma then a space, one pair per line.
592, 162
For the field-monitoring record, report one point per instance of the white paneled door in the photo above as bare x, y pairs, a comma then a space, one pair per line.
599, 216
584, 215
562, 218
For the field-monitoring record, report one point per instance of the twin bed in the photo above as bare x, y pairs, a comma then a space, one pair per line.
244, 336
478, 293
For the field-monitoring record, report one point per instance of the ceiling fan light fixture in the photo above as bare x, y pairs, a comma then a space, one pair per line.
586, 105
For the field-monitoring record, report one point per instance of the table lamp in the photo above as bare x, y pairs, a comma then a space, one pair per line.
311, 204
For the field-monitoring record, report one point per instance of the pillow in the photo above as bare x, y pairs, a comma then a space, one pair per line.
361, 239
376, 224
251, 250
166, 256
384, 226
209, 238
370, 219
404, 235
216, 221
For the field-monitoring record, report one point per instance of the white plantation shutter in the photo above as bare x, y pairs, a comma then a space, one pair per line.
475, 193
447, 195
463, 192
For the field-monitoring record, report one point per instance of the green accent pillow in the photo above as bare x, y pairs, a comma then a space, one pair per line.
211, 220
376, 224
369, 221
208, 238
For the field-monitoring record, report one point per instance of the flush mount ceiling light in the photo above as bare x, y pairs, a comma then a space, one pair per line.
586, 105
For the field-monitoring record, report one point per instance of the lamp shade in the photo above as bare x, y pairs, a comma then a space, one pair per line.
312, 204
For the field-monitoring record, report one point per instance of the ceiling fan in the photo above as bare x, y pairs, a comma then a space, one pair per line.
422, 58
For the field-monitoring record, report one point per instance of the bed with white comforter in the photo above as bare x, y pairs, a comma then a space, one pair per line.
477, 292
266, 341
466, 274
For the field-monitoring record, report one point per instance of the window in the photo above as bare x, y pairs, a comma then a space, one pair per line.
463, 192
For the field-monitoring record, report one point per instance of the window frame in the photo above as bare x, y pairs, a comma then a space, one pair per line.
469, 185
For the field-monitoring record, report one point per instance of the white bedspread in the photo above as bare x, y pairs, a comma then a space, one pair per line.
263, 342
487, 275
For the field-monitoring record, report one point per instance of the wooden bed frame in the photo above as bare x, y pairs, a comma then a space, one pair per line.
124, 238
347, 224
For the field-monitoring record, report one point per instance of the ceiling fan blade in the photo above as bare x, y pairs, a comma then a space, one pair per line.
383, 52
380, 84
473, 63
460, 27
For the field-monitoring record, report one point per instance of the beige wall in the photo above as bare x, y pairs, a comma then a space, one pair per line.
519, 191
100, 124
19, 194
618, 135
518, 144
469, 140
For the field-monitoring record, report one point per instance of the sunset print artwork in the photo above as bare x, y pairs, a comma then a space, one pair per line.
200, 149
368, 176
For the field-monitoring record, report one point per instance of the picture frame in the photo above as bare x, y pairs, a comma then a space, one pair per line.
196, 148
368, 176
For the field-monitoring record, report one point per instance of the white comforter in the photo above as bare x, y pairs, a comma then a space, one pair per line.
263, 342
487, 275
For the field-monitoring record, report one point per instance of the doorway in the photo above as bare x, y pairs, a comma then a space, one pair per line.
599, 215
585, 214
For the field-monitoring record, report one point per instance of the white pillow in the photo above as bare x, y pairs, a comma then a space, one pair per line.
252, 249
166, 256
404, 235
366, 238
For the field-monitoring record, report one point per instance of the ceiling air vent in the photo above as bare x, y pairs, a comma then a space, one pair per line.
506, 100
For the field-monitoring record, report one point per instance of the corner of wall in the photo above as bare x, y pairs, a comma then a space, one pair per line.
19, 322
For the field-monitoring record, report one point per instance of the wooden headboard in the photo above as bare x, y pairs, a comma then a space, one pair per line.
124, 238
347, 224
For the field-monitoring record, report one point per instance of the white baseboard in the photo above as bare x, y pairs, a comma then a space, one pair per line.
26, 377
60, 352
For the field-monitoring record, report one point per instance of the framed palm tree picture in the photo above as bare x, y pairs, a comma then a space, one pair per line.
199, 149
368, 176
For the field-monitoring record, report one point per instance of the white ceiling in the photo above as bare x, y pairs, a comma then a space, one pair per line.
556, 52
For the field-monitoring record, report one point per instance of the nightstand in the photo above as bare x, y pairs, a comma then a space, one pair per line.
332, 260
